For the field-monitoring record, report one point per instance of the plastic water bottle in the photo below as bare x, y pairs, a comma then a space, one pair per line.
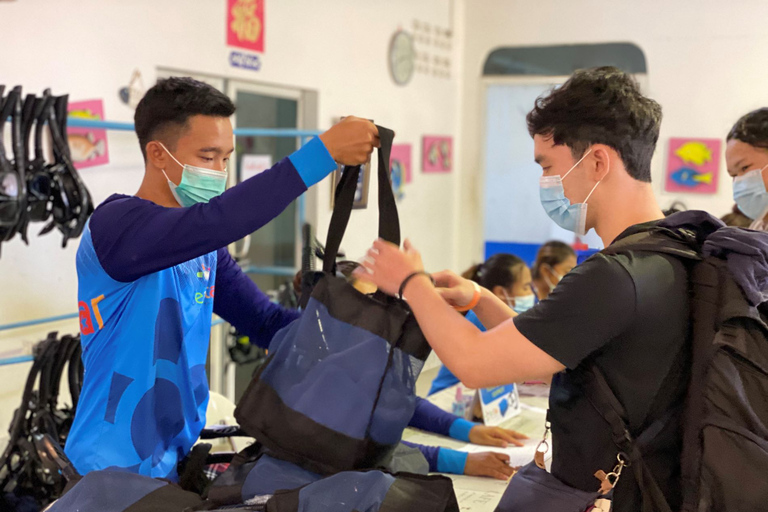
459, 403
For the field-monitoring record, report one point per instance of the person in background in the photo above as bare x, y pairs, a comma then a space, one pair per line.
507, 277
746, 155
736, 219
553, 261
430, 418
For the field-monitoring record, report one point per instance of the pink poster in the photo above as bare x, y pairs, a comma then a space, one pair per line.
693, 165
401, 158
400, 168
437, 154
245, 24
88, 146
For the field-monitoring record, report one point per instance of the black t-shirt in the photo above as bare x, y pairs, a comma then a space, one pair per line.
628, 314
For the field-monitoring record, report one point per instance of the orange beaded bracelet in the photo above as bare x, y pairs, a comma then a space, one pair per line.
473, 303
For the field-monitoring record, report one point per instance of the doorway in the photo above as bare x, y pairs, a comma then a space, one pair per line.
514, 221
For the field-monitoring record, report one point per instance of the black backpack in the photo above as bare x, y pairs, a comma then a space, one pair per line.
725, 416
32, 465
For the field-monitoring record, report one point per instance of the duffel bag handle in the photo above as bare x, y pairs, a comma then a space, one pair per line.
389, 222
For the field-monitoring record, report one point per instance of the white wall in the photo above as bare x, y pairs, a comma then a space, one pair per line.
705, 66
89, 48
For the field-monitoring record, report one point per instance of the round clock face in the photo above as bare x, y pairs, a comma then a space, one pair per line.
402, 57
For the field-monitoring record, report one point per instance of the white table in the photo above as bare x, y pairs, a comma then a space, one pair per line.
478, 494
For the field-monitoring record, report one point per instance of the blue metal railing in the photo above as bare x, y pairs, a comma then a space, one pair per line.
16, 360
76, 122
40, 321
272, 271
37, 321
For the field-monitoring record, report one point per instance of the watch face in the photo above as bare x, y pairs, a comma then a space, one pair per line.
401, 57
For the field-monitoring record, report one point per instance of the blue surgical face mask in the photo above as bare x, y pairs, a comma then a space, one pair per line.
520, 303
198, 185
750, 194
572, 217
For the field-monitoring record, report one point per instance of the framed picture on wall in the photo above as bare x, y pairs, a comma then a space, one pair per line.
361, 192
437, 154
693, 165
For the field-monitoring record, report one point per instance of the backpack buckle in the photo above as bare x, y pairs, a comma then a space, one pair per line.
609, 480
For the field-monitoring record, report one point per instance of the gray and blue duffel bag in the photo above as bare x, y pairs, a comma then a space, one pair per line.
337, 390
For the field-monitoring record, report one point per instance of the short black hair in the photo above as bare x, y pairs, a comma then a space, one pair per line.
752, 129
166, 107
601, 106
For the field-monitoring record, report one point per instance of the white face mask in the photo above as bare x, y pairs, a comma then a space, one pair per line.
557, 275
750, 194
519, 303
572, 217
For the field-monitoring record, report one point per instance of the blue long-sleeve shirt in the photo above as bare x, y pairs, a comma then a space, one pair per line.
149, 278
431, 418
449, 461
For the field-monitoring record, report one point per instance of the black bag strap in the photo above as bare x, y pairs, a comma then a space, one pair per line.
75, 372
602, 398
192, 469
61, 358
19, 422
46, 373
659, 240
389, 222
71, 344
6, 109
27, 121
41, 109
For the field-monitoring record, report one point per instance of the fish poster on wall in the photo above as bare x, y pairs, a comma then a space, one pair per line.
88, 146
437, 154
400, 168
693, 165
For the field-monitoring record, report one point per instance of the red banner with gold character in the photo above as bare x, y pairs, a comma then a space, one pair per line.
245, 24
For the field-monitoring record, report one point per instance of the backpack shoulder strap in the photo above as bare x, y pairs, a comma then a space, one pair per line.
602, 398
680, 244
685, 246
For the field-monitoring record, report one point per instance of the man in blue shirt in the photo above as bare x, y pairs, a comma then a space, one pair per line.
152, 268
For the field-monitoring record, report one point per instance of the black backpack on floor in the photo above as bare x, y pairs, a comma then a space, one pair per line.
32, 465
725, 416
369, 491
118, 491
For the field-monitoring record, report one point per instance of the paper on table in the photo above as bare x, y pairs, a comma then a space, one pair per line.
478, 494
533, 408
429, 439
518, 455
477, 501
479, 484
541, 390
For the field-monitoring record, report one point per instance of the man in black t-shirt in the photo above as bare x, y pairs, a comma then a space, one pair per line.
627, 314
